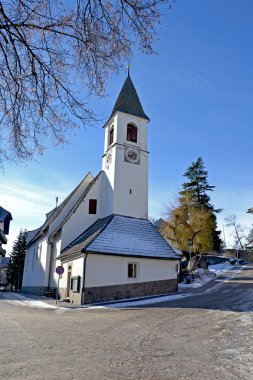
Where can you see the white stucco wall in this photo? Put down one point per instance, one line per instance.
(70, 204)
(80, 220)
(113, 270)
(76, 270)
(36, 262)
(128, 181)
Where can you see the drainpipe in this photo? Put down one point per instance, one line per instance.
(50, 262)
(84, 274)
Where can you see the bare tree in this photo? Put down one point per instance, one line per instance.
(238, 230)
(46, 48)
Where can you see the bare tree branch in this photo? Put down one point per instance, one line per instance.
(47, 50)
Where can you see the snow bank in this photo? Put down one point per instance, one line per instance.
(220, 268)
(19, 299)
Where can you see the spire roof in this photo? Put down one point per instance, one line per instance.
(128, 101)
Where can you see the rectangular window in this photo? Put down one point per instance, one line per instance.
(111, 136)
(132, 133)
(75, 284)
(132, 270)
(92, 206)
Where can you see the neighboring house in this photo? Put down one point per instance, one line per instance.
(5, 218)
(101, 233)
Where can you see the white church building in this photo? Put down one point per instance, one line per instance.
(100, 233)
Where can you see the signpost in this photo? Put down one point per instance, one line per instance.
(59, 270)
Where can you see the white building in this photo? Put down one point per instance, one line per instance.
(5, 218)
(101, 233)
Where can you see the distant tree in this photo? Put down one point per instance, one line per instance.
(250, 235)
(193, 219)
(238, 230)
(46, 46)
(16, 266)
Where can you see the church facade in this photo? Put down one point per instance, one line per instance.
(100, 233)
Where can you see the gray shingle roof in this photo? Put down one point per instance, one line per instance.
(83, 240)
(128, 101)
(122, 236)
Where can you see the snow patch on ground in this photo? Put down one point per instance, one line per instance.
(202, 276)
(19, 299)
(221, 268)
(142, 302)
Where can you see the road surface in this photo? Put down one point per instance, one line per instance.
(205, 336)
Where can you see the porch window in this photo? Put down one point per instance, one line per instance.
(132, 270)
(75, 284)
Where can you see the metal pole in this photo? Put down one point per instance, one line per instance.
(57, 290)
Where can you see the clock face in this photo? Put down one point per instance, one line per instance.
(132, 155)
(109, 158)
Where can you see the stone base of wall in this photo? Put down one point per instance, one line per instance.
(35, 290)
(124, 291)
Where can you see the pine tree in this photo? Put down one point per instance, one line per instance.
(198, 185)
(194, 217)
(16, 267)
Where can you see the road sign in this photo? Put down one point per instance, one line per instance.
(59, 270)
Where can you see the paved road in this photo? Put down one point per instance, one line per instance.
(207, 336)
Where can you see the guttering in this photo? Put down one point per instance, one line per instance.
(84, 274)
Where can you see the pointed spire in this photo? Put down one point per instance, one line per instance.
(128, 100)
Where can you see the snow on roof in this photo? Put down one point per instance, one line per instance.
(123, 236)
(52, 215)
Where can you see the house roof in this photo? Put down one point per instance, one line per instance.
(128, 101)
(51, 216)
(5, 217)
(122, 236)
(4, 262)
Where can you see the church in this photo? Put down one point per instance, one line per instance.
(100, 233)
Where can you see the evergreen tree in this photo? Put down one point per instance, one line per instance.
(198, 185)
(194, 217)
(16, 267)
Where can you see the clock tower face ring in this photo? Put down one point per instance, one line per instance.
(132, 155)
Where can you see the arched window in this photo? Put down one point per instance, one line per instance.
(132, 133)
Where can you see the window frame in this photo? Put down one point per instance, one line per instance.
(135, 129)
(77, 281)
(132, 273)
(111, 136)
(93, 206)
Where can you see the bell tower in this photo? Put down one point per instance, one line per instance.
(125, 158)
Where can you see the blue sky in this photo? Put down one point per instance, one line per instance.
(198, 94)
